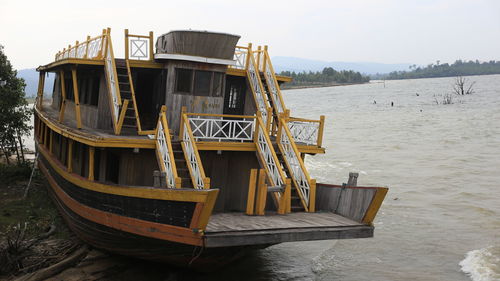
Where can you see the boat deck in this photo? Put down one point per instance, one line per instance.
(236, 229)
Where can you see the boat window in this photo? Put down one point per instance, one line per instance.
(68, 86)
(217, 84)
(202, 83)
(183, 80)
(88, 87)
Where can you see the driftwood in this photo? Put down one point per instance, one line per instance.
(54, 269)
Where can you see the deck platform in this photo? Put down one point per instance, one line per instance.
(237, 229)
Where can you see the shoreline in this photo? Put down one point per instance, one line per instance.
(309, 86)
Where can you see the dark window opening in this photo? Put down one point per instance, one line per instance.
(217, 84)
(202, 83)
(112, 167)
(149, 86)
(88, 87)
(183, 80)
(97, 162)
(68, 86)
(234, 98)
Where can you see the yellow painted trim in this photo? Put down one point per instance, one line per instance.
(377, 200)
(226, 146)
(121, 118)
(208, 209)
(163, 120)
(77, 99)
(63, 96)
(51, 66)
(311, 149)
(251, 192)
(91, 163)
(94, 140)
(132, 91)
(187, 195)
(145, 64)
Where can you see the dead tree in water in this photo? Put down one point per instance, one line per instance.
(460, 87)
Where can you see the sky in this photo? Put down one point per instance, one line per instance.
(384, 31)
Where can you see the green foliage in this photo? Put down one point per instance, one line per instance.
(12, 173)
(14, 111)
(325, 77)
(458, 68)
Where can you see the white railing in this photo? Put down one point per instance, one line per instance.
(111, 77)
(215, 127)
(240, 57)
(164, 148)
(258, 89)
(193, 159)
(305, 131)
(272, 83)
(139, 47)
(268, 156)
(296, 166)
(92, 48)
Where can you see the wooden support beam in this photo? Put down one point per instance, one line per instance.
(312, 196)
(63, 96)
(41, 85)
(77, 99)
(151, 51)
(51, 142)
(288, 195)
(261, 193)
(122, 116)
(126, 44)
(249, 53)
(319, 142)
(251, 192)
(91, 162)
(70, 155)
(264, 64)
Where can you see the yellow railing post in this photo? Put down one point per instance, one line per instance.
(77, 99)
(151, 50)
(288, 195)
(260, 205)
(87, 47)
(264, 64)
(258, 58)
(269, 119)
(321, 130)
(251, 192)
(91, 163)
(126, 44)
(249, 53)
(312, 196)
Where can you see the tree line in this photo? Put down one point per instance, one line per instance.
(325, 77)
(458, 68)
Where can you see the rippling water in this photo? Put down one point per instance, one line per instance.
(441, 217)
(441, 163)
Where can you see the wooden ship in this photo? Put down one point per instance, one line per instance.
(185, 155)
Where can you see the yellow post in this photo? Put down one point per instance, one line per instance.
(63, 96)
(181, 123)
(258, 58)
(77, 99)
(51, 141)
(206, 183)
(265, 55)
(126, 44)
(251, 192)
(249, 53)
(269, 118)
(321, 129)
(178, 182)
(41, 86)
(288, 195)
(151, 50)
(257, 126)
(312, 196)
(122, 116)
(261, 193)
(70, 155)
(87, 47)
(91, 162)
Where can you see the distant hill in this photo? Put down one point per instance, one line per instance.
(300, 64)
(30, 76)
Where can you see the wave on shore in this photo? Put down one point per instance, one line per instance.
(482, 264)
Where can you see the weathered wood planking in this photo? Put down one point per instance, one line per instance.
(224, 222)
(351, 202)
(237, 229)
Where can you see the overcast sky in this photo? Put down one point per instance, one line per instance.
(387, 31)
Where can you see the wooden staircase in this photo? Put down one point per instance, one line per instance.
(296, 204)
(180, 163)
(130, 121)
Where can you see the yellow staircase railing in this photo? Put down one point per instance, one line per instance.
(164, 152)
(191, 154)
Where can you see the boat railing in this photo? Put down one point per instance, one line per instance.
(267, 154)
(164, 151)
(193, 160)
(139, 47)
(306, 186)
(240, 57)
(306, 131)
(92, 48)
(219, 127)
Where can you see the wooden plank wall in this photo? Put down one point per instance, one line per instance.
(230, 172)
(197, 104)
(56, 95)
(104, 119)
(348, 202)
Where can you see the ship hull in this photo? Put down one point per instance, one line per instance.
(100, 226)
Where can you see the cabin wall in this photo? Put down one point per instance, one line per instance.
(197, 104)
(137, 168)
(56, 94)
(89, 115)
(230, 173)
(104, 118)
(249, 108)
